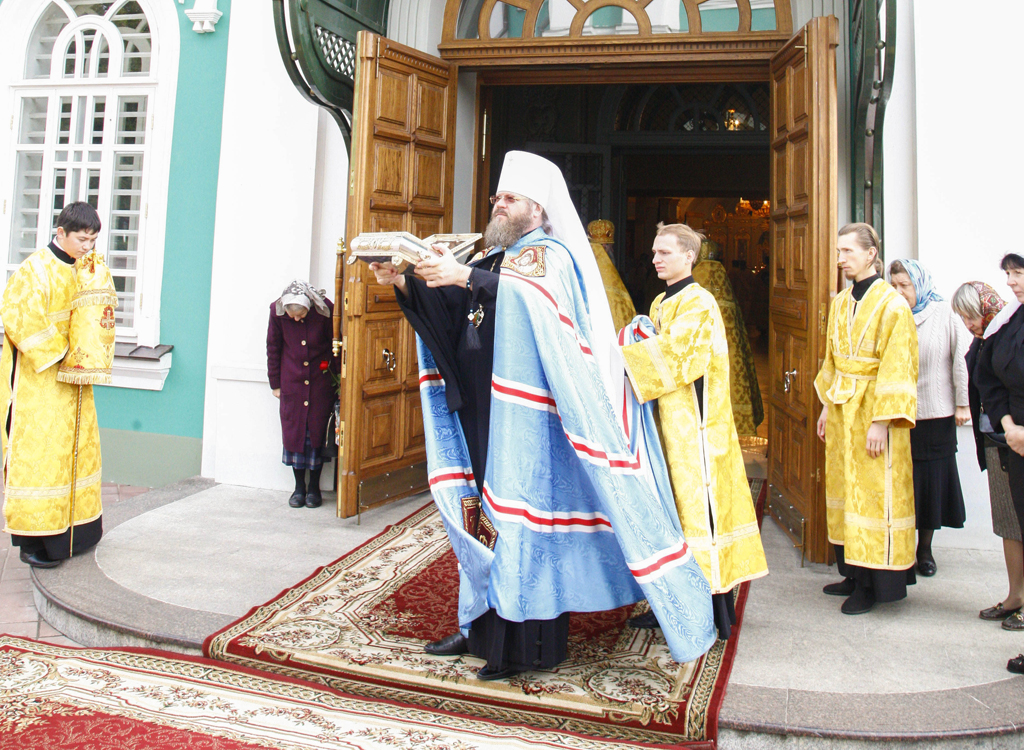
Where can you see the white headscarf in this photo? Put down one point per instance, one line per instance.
(541, 181)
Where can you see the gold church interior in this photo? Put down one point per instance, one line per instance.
(640, 154)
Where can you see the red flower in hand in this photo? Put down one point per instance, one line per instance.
(325, 366)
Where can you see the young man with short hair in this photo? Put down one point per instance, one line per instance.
(686, 367)
(39, 414)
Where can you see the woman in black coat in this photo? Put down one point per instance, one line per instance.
(1000, 376)
(979, 305)
(299, 366)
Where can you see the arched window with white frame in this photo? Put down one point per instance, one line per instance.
(82, 129)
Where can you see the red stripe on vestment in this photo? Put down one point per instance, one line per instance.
(540, 520)
(661, 562)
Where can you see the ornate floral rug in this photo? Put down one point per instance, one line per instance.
(359, 624)
(56, 698)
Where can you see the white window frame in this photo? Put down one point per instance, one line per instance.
(18, 18)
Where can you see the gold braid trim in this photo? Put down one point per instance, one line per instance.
(88, 297)
(84, 376)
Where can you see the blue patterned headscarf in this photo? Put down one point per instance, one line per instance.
(924, 287)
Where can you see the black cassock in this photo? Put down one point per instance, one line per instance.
(464, 354)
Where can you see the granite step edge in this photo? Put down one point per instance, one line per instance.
(971, 712)
(81, 602)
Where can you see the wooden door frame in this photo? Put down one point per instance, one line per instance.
(741, 67)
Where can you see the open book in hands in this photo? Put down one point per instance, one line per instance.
(403, 250)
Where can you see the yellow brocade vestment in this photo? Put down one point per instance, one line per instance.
(747, 407)
(870, 374)
(704, 458)
(618, 298)
(38, 440)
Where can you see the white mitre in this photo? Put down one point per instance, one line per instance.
(541, 181)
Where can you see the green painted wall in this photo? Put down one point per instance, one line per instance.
(146, 459)
(177, 410)
(154, 438)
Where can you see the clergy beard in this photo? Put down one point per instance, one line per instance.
(507, 233)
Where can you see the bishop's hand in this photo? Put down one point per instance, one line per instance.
(443, 269)
(388, 275)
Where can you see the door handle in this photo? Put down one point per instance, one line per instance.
(389, 360)
(787, 380)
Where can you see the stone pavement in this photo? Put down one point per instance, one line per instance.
(178, 563)
(18, 615)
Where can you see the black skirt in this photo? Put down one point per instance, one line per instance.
(534, 644)
(938, 499)
(888, 585)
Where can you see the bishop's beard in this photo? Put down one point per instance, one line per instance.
(506, 233)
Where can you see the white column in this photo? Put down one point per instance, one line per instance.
(262, 240)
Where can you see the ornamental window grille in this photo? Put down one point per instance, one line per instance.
(83, 115)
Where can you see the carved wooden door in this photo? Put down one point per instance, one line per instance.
(804, 190)
(403, 147)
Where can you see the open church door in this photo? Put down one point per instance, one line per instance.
(804, 190)
(403, 148)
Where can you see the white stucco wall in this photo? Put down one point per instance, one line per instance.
(948, 174)
(263, 239)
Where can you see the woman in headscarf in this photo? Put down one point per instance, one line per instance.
(1000, 376)
(979, 306)
(942, 404)
(299, 366)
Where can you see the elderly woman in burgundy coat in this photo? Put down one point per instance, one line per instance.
(299, 365)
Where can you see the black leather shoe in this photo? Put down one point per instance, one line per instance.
(844, 588)
(1016, 664)
(647, 621)
(450, 645)
(38, 559)
(313, 500)
(997, 612)
(861, 601)
(298, 499)
(927, 567)
(490, 673)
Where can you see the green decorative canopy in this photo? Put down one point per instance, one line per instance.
(317, 40)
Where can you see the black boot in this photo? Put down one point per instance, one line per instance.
(313, 498)
(925, 562)
(298, 498)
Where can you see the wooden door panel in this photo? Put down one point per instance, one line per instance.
(381, 299)
(380, 429)
(801, 266)
(432, 110)
(426, 225)
(400, 181)
(803, 198)
(414, 436)
(393, 100)
(389, 167)
(381, 348)
(428, 176)
(384, 221)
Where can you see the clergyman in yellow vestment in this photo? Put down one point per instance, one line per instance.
(38, 419)
(747, 407)
(868, 385)
(601, 234)
(686, 367)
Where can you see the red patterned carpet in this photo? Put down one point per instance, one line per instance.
(56, 698)
(358, 625)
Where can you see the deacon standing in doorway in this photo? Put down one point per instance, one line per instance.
(548, 507)
(51, 497)
(868, 385)
(686, 367)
